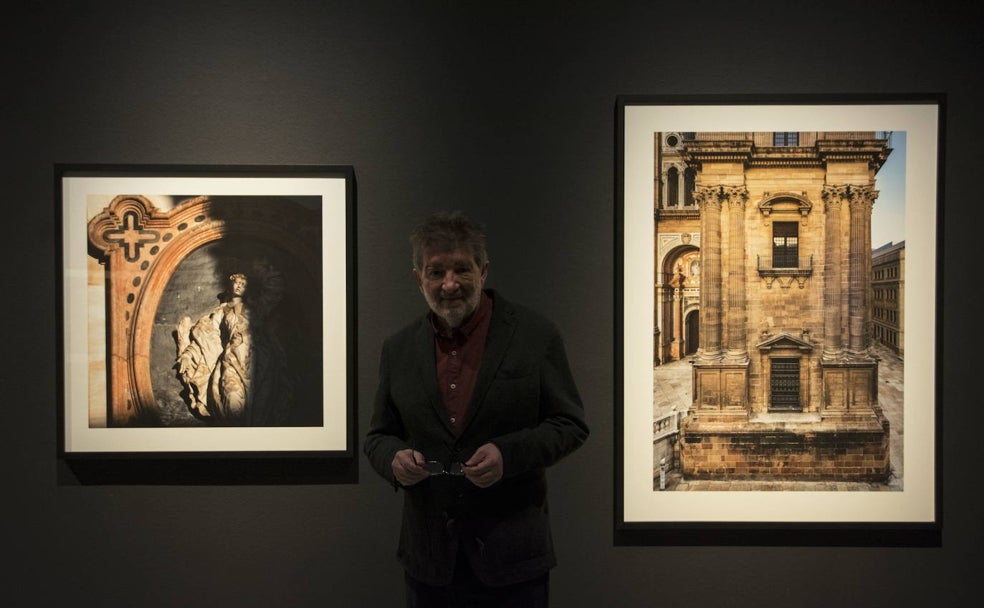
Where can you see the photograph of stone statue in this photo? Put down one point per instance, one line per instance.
(779, 320)
(233, 367)
(215, 310)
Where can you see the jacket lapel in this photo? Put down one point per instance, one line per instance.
(426, 370)
(501, 329)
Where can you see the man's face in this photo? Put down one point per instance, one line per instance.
(452, 284)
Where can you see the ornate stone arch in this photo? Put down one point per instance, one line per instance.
(678, 292)
(669, 247)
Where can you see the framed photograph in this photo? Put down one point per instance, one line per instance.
(777, 334)
(207, 320)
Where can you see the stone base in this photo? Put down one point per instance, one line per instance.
(784, 448)
(850, 389)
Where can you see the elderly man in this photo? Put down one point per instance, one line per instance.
(475, 400)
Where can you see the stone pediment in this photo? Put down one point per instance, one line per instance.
(784, 341)
(788, 202)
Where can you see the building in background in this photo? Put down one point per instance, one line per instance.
(888, 296)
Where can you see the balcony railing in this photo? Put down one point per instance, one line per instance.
(666, 425)
(785, 274)
(678, 213)
(859, 135)
(802, 266)
(805, 138)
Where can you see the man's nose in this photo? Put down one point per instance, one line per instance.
(450, 282)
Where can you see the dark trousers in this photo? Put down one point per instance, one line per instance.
(466, 591)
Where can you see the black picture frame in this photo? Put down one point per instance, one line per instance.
(645, 514)
(139, 247)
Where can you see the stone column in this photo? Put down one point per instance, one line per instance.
(664, 189)
(679, 187)
(674, 300)
(861, 199)
(737, 313)
(833, 324)
(659, 323)
(678, 321)
(709, 345)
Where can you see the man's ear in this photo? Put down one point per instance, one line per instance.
(485, 271)
(417, 278)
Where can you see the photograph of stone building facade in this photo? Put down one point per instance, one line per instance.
(764, 283)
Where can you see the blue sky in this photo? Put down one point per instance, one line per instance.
(888, 214)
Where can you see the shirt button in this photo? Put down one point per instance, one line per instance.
(454, 353)
(452, 419)
(453, 385)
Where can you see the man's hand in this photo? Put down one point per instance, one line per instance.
(408, 467)
(484, 468)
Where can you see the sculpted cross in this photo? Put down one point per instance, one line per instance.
(131, 236)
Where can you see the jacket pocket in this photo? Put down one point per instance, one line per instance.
(522, 537)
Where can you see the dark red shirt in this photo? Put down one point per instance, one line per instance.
(458, 359)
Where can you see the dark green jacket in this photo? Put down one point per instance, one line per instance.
(525, 402)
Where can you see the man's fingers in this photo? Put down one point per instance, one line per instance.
(407, 467)
(484, 468)
(477, 458)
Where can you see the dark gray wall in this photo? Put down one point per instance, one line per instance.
(503, 109)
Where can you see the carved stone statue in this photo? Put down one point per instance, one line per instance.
(677, 278)
(230, 362)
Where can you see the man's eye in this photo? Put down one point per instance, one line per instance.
(434, 274)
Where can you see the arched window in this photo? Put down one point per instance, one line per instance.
(673, 187)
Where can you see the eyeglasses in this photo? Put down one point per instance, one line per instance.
(434, 467)
(437, 468)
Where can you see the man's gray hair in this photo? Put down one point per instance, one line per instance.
(448, 231)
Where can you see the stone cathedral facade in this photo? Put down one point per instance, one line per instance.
(764, 279)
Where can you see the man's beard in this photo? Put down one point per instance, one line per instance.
(455, 311)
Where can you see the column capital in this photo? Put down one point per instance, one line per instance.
(735, 195)
(708, 196)
(862, 196)
(833, 195)
(718, 195)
